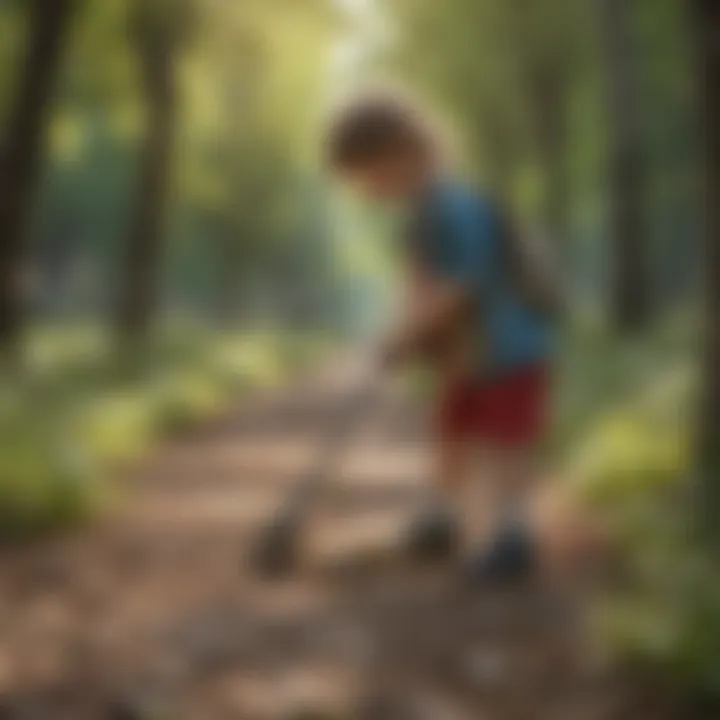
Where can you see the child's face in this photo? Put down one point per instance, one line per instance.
(388, 179)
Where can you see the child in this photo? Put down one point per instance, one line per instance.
(490, 348)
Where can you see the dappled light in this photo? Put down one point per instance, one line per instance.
(359, 359)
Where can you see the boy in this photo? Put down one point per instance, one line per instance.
(490, 347)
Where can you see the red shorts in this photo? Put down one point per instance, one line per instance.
(509, 409)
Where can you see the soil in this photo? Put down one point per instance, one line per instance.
(154, 612)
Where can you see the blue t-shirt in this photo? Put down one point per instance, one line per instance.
(457, 233)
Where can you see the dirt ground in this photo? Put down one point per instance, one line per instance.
(154, 614)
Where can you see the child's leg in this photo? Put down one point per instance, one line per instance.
(512, 476)
(455, 451)
(487, 493)
(454, 442)
(510, 552)
(511, 421)
(435, 531)
(452, 469)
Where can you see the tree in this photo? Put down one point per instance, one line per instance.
(473, 78)
(22, 152)
(158, 30)
(629, 295)
(250, 144)
(706, 21)
(543, 52)
(547, 92)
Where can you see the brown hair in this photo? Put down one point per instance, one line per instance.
(373, 127)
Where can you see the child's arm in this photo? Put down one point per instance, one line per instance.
(434, 309)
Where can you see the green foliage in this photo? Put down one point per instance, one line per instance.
(72, 420)
(641, 442)
(13, 27)
(251, 83)
(625, 418)
(672, 627)
(47, 479)
(665, 615)
(252, 238)
(631, 460)
(628, 456)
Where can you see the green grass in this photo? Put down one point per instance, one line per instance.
(625, 432)
(76, 415)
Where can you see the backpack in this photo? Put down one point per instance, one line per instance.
(532, 267)
(527, 259)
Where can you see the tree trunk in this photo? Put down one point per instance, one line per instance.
(629, 294)
(543, 77)
(140, 280)
(21, 156)
(706, 21)
(550, 117)
(497, 157)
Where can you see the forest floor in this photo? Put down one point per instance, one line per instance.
(153, 613)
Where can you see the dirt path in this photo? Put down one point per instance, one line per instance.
(154, 614)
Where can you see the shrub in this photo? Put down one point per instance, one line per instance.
(74, 415)
(632, 463)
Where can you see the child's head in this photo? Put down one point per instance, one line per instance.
(381, 144)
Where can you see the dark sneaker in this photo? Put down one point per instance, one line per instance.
(510, 558)
(433, 536)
